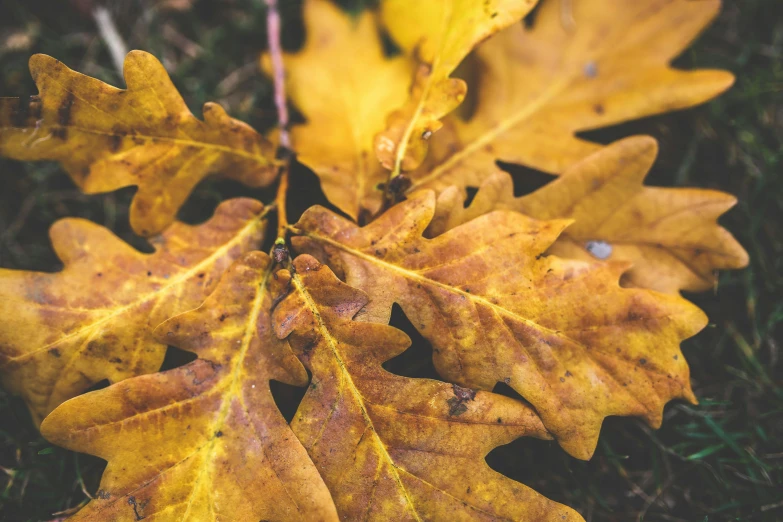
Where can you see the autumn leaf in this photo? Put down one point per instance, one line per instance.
(107, 138)
(562, 333)
(669, 235)
(63, 332)
(439, 33)
(344, 101)
(204, 441)
(541, 85)
(392, 447)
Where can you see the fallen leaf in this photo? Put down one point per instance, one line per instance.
(392, 447)
(107, 138)
(345, 101)
(562, 333)
(541, 85)
(669, 235)
(204, 441)
(63, 332)
(439, 33)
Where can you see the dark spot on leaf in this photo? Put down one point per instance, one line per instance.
(115, 141)
(55, 352)
(461, 396)
(132, 502)
(64, 111)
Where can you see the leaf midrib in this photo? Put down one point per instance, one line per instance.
(332, 343)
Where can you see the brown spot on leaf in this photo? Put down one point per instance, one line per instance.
(64, 111)
(461, 396)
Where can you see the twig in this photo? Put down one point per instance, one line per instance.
(276, 54)
(284, 150)
(280, 200)
(111, 37)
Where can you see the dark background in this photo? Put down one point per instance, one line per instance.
(721, 460)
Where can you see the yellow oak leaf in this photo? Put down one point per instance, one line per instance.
(108, 138)
(391, 447)
(440, 33)
(345, 87)
(562, 333)
(204, 441)
(63, 332)
(541, 85)
(669, 235)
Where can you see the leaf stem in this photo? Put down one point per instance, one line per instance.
(280, 202)
(276, 54)
(284, 151)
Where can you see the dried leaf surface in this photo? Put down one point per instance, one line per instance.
(345, 87)
(539, 86)
(204, 441)
(440, 33)
(63, 332)
(392, 447)
(109, 138)
(562, 333)
(669, 235)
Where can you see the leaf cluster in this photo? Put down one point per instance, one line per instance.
(568, 295)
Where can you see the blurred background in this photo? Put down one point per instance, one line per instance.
(721, 460)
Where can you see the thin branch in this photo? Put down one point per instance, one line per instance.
(280, 201)
(284, 151)
(111, 37)
(276, 54)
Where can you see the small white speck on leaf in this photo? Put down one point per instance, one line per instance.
(600, 249)
(591, 69)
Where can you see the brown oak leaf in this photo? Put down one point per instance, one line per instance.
(345, 101)
(541, 85)
(108, 138)
(562, 333)
(439, 33)
(63, 332)
(392, 447)
(669, 235)
(204, 441)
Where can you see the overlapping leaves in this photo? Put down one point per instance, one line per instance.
(206, 441)
(669, 235)
(562, 333)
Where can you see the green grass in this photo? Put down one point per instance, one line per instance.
(721, 460)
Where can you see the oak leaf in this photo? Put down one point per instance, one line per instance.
(392, 447)
(343, 100)
(204, 441)
(440, 33)
(541, 85)
(562, 333)
(669, 235)
(107, 138)
(63, 332)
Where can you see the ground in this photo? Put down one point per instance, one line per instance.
(721, 460)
